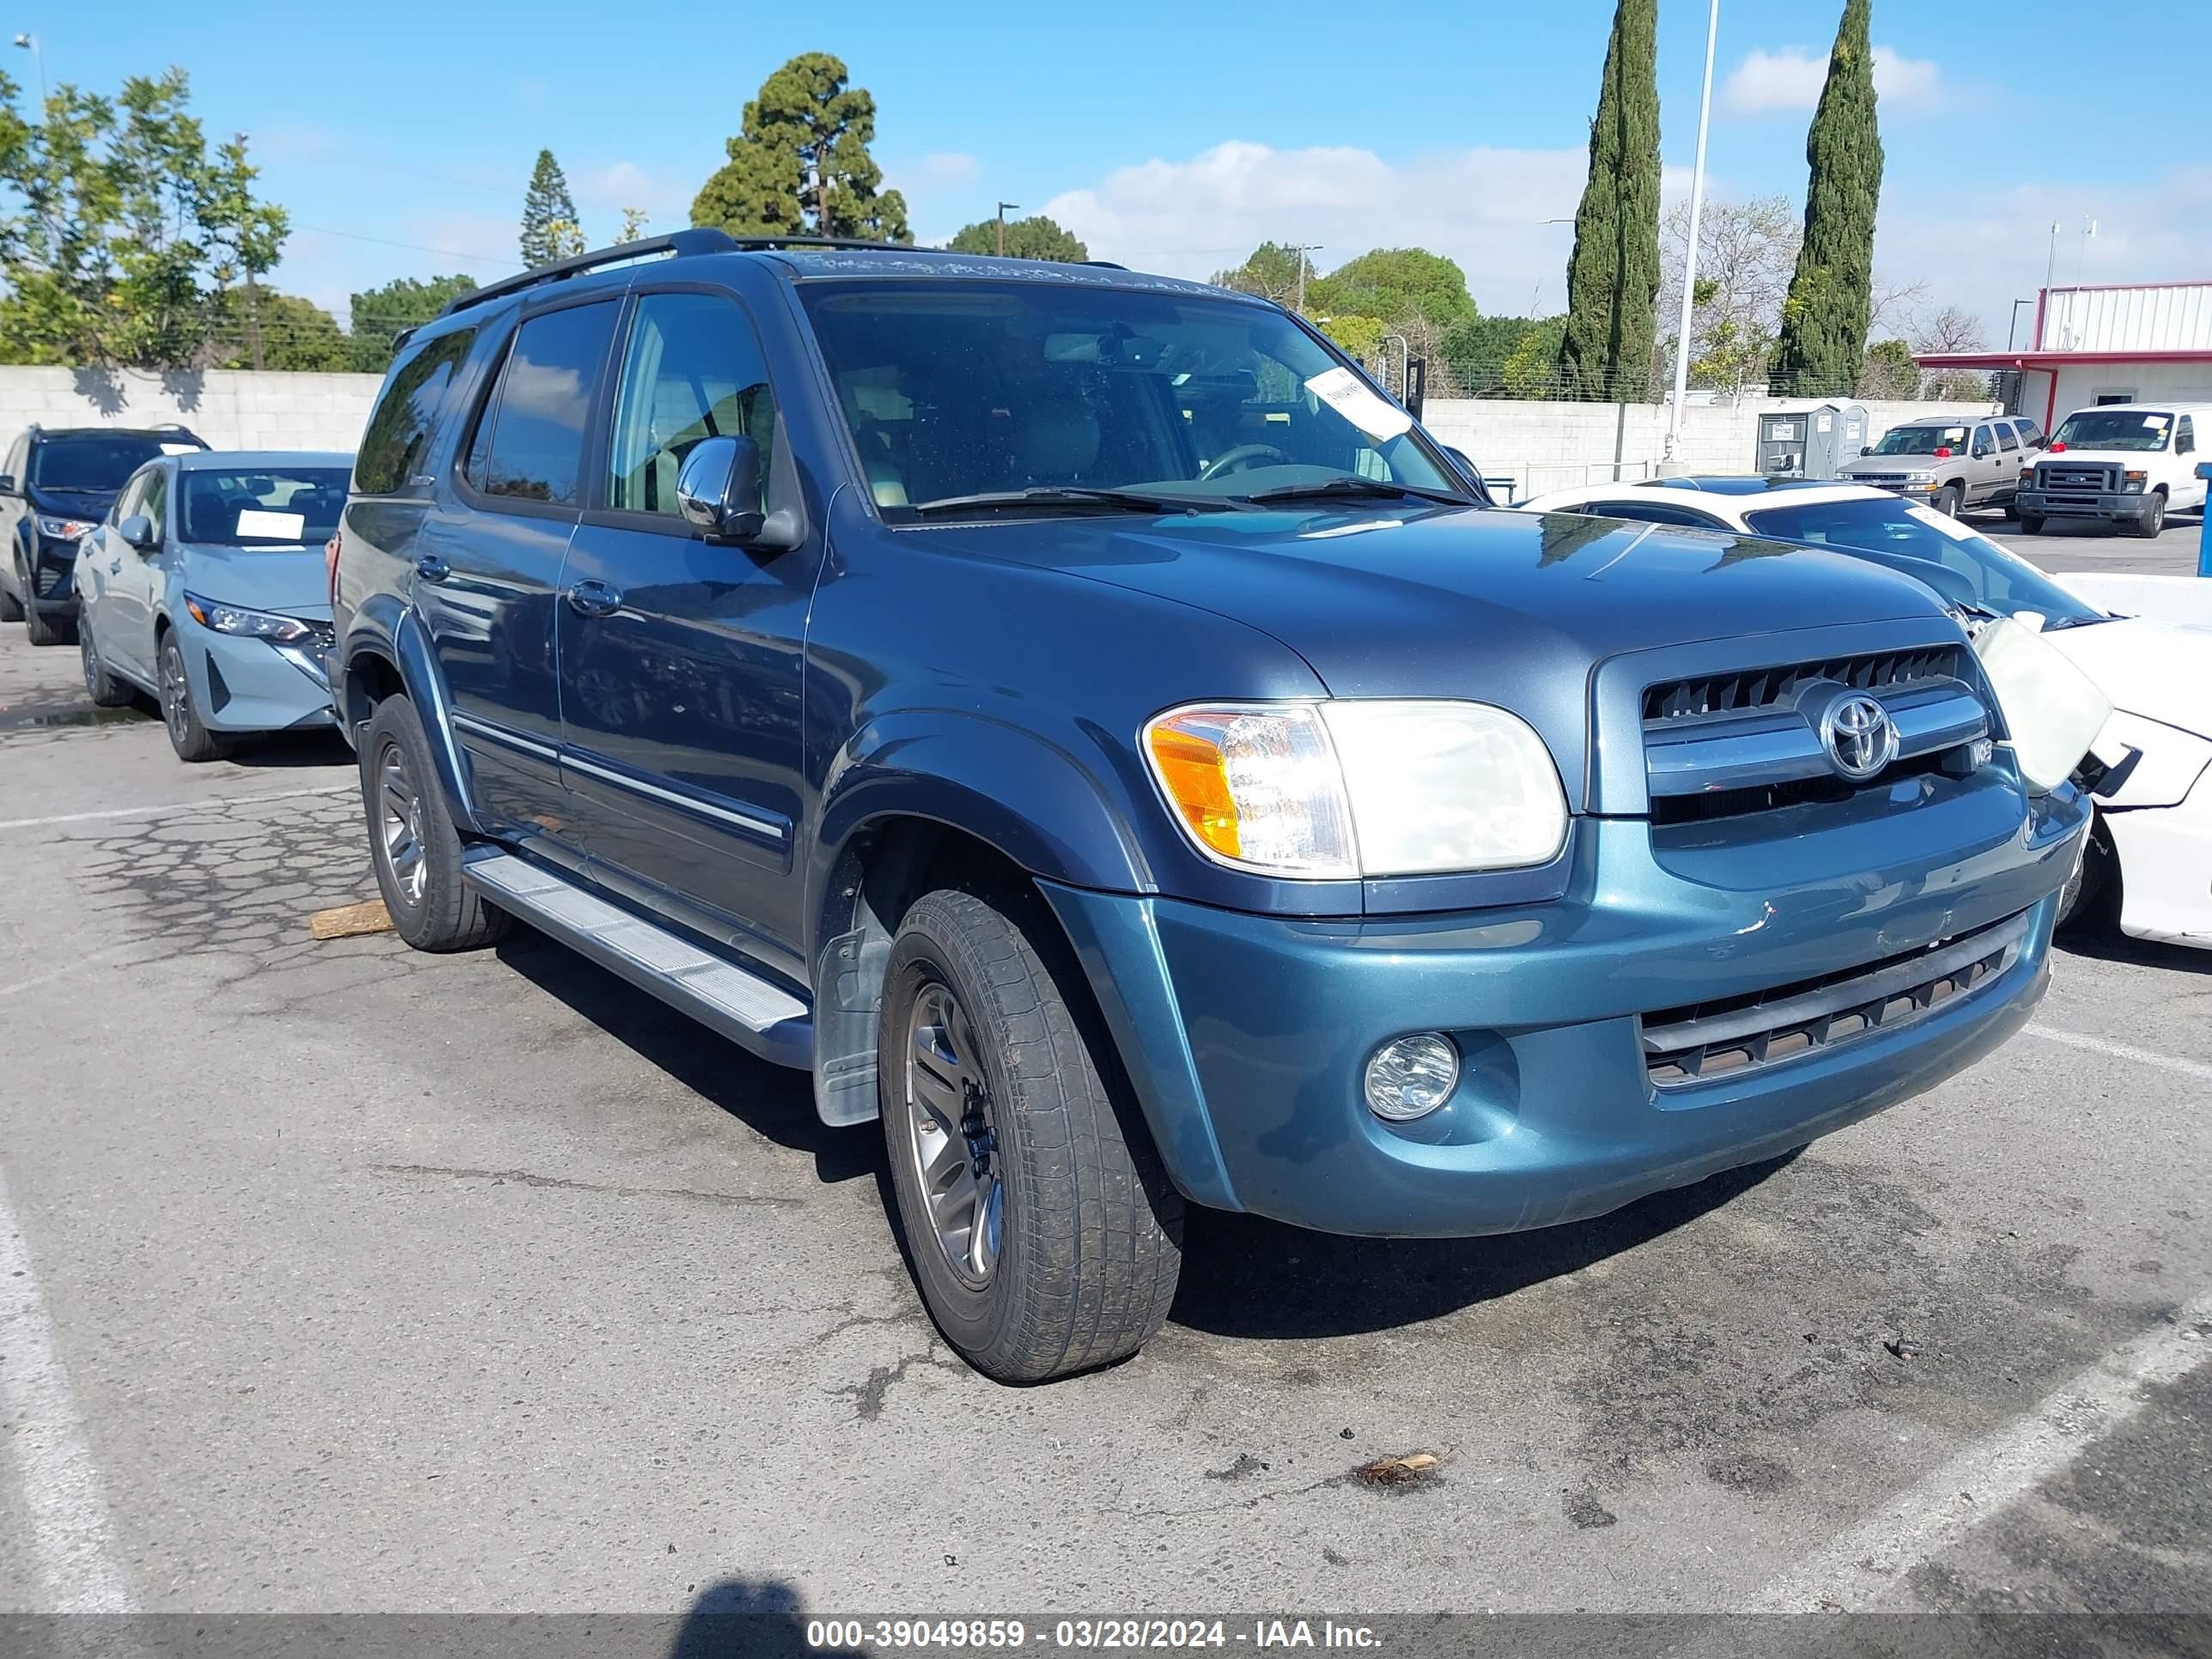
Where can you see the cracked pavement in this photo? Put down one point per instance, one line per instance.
(386, 1281)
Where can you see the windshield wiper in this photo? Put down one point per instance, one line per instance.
(1350, 485)
(1074, 495)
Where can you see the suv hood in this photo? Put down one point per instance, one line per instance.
(294, 581)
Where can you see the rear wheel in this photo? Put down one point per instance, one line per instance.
(414, 847)
(192, 740)
(2154, 519)
(1042, 1233)
(1945, 500)
(102, 687)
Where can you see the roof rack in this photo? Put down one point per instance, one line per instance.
(1106, 264)
(748, 242)
(697, 240)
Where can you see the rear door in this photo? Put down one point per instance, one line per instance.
(681, 662)
(2010, 456)
(489, 559)
(133, 576)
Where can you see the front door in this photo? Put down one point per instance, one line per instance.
(681, 661)
(487, 565)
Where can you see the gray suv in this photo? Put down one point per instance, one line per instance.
(1951, 463)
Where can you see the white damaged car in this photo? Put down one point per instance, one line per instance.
(2149, 858)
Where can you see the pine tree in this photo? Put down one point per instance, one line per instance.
(1825, 319)
(549, 229)
(800, 164)
(1613, 275)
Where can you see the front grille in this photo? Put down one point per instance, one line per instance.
(1881, 480)
(2077, 477)
(49, 578)
(1707, 1041)
(1708, 804)
(1753, 691)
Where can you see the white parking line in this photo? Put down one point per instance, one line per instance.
(175, 806)
(1938, 1511)
(2195, 1068)
(71, 1538)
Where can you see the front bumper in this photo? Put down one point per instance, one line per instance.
(251, 685)
(1247, 1036)
(2130, 506)
(2166, 867)
(53, 578)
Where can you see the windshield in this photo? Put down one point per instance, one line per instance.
(1920, 440)
(2114, 429)
(269, 506)
(95, 462)
(1910, 539)
(954, 390)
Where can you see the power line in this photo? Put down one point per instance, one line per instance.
(416, 247)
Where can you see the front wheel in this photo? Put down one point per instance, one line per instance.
(192, 740)
(413, 846)
(2153, 520)
(2031, 524)
(1946, 500)
(1043, 1234)
(38, 628)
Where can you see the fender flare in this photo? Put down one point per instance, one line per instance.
(385, 629)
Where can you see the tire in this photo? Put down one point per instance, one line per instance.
(2012, 512)
(11, 608)
(2152, 522)
(193, 741)
(413, 846)
(1945, 500)
(2031, 524)
(102, 687)
(2087, 902)
(1081, 1265)
(39, 628)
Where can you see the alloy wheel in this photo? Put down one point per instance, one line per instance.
(400, 823)
(88, 658)
(950, 1136)
(176, 695)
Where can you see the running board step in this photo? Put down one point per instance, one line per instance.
(752, 1012)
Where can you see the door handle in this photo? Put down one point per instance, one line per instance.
(115, 568)
(432, 568)
(593, 598)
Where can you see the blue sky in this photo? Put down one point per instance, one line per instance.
(401, 135)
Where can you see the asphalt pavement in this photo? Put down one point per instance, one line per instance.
(336, 1278)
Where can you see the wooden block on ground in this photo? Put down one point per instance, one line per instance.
(348, 920)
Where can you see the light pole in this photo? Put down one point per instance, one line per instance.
(1690, 254)
(1003, 206)
(1302, 249)
(2012, 325)
(30, 43)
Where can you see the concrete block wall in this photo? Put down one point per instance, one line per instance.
(1558, 446)
(232, 408)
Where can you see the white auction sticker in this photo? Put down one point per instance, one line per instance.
(1345, 392)
(264, 525)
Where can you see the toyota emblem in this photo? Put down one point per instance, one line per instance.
(1859, 736)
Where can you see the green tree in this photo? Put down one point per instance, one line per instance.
(1613, 275)
(550, 224)
(291, 333)
(1400, 285)
(800, 165)
(1271, 271)
(1533, 370)
(1360, 337)
(1034, 238)
(1888, 371)
(245, 238)
(1826, 317)
(116, 226)
(380, 314)
(633, 225)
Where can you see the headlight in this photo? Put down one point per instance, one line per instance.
(66, 529)
(1920, 477)
(248, 624)
(2132, 482)
(1360, 787)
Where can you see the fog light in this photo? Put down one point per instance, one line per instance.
(1411, 1077)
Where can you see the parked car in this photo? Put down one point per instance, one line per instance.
(58, 483)
(1951, 464)
(1080, 718)
(2151, 779)
(2126, 464)
(207, 589)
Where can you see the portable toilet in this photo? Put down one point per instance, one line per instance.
(1810, 443)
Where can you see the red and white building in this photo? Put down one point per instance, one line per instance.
(2127, 343)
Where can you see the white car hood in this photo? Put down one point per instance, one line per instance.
(2157, 670)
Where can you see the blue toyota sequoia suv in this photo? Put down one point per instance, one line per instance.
(1081, 719)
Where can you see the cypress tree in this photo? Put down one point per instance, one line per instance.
(550, 230)
(1613, 276)
(1825, 318)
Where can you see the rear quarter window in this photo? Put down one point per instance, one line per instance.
(395, 447)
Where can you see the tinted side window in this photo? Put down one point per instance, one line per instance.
(2185, 437)
(692, 370)
(1985, 445)
(400, 431)
(2030, 433)
(155, 503)
(2006, 442)
(529, 444)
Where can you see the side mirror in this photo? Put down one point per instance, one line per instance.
(1464, 462)
(1866, 449)
(138, 530)
(8, 484)
(719, 489)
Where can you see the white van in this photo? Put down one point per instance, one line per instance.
(2128, 462)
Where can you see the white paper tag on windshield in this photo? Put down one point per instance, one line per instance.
(1345, 392)
(271, 526)
(2155, 421)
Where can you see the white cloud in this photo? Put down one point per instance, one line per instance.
(1485, 207)
(603, 193)
(949, 167)
(1791, 77)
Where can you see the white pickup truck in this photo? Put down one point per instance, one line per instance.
(2129, 464)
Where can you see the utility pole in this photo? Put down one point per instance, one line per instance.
(1690, 253)
(1003, 206)
(1302, 249)
(30, 43)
